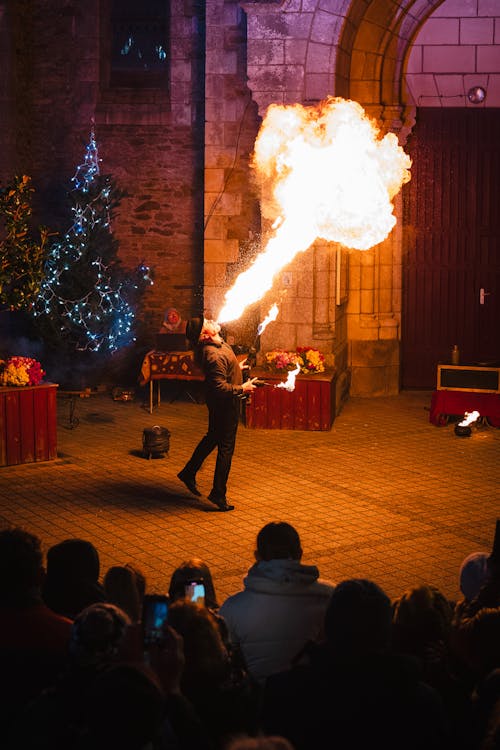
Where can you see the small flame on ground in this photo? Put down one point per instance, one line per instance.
(271, 315)
(289, 383)
(469, 418)
(330, 176)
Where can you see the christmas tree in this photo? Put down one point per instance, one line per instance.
(22, 257)
(87, 299)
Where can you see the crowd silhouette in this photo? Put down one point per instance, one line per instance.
(290, 662)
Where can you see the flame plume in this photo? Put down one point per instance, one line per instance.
(271, 315)
(289, 383)
(469, 418)
(331, 177)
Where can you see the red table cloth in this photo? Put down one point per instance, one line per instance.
(455, 403)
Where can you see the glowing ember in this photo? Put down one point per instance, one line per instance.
(469, 418)
(331, 177)
(271, 315)
(289, 384)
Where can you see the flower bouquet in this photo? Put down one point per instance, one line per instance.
(309, 360)
(281, 360)
(20, 371)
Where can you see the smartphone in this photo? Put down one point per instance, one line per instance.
(194, 591)
(154, 616)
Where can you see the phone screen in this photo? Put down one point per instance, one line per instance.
(155, 613)
(195, 592)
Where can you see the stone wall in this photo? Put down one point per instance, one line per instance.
(55, 81)
(456, 49)
(182, 153)
(232, 217)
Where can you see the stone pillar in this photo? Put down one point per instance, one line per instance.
(230, 130)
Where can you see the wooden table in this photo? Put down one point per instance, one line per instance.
(176, 365)
(72, 395)
(311, 406)
(28, 424)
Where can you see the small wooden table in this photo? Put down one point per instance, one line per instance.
(28, 424)
(178, 365)
(72, 395)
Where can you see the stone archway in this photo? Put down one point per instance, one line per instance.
(372, 52)
(303, 54)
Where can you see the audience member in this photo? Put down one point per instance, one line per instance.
(33, 639)
(340, 662)
(478, 644)
(194, 569)
(474, 573)
(72, 580)
(125, 709)
(421, 627)
(353, 689)
(475, 623)
(226, 699)
(56, 718)
(125, 586)
(183, 728)
(282, 605)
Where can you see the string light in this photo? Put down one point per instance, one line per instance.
(84, 289)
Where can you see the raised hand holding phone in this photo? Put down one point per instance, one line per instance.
(154, 617)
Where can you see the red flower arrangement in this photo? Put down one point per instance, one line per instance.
(21, 371)
(309, 360)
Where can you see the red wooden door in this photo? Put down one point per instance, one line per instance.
(451, 243)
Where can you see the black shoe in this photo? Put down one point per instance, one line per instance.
(220, 502)
(190, 482)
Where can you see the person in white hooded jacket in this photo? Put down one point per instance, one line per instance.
(282, 605)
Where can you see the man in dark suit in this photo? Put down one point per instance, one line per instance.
(224, 386)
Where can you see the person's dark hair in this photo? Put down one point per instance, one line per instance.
(358, 617)
(73, 557)
(98, 632)
(191, 570)
(72, 579)
(206, 655)
(21, 564)
(421, 616)
(278, 541)
(140, 578)
(122, 588)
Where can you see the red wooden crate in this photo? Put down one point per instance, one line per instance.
(28, 424)
(311, 406)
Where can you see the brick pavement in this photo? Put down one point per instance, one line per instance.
(384, 494)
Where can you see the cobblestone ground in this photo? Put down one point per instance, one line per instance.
(384, 494)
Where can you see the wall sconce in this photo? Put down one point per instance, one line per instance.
(476, 95)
